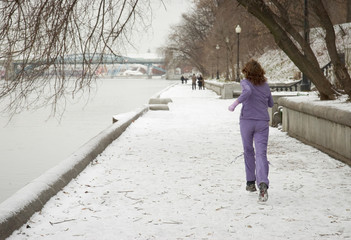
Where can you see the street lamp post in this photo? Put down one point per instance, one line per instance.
(227, 74)
(217, 47)
(238, 31)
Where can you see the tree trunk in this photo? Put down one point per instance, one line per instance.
(348, 7)
(307, 64)
(340, 70)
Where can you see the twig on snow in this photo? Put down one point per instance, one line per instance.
(68, 220)
(237, 157)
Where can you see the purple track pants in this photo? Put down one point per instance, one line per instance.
(256, 165)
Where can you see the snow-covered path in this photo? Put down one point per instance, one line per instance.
(179, 174)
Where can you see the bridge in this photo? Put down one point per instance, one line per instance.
(96, 58)
(100, 58)
(105, 59)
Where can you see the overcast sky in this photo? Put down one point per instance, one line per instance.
(164, 16)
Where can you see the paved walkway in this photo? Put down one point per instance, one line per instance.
(179, 174)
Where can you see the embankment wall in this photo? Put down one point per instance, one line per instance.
(226, 90)
(324, 127)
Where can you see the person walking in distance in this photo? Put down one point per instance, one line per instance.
(193, 84)
(203, 82)
(200, 81)
(255, 98)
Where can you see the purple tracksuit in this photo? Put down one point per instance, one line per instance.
(254, 127)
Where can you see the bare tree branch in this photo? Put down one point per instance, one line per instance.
(42, 43)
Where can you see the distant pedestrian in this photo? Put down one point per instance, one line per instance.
(193, 82)
(256, 97)
(203, 83)
(182, 79)
(200, 81)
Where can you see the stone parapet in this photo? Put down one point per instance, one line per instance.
(324, 127)
(274, 110)
(226, 90)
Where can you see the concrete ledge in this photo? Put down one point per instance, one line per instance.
(325, 112)
(276, 96)
(156, 103)
(328, 151)
(159, 100)
(158, 107)
(226, 90)
(17, 210)
(324, 127)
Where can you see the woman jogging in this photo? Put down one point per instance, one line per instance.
(256, 97)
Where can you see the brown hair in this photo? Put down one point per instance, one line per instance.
(254, 72)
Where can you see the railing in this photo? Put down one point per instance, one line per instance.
(285, 86)
(326, 69)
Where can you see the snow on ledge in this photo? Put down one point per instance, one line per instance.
(338, 111)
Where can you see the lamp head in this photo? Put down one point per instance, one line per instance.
(238, 29)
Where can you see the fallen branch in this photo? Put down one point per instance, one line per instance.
(68, 220)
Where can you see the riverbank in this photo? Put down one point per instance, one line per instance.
(179, 174)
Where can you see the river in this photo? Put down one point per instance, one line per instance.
(32, 142)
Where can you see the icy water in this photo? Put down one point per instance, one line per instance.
(33, 143)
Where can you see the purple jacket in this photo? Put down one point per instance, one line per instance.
(255, 101)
